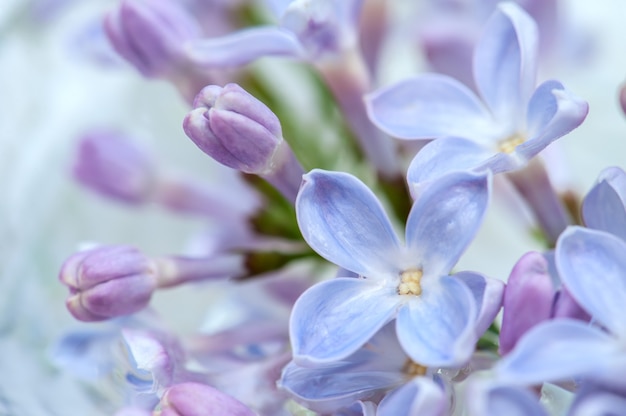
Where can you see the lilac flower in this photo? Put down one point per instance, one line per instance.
(376, 368)
(488, 397)
(110, 281)
(239, 131)
(150, 34)
(591, 265)
(503, 130)
(324, 33)
(436, 314)
(534, 294)
(604, 205)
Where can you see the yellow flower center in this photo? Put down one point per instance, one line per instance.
(413, 369)
(509, 144)
(410, 282)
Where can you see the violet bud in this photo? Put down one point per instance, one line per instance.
(150, 34)
(108, 281)
(114, 166)
(195, 399)
(528, 299)
(235, 129)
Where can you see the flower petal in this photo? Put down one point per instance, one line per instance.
(344, 222)
(436, 328)
(559, 350)
(333, 319)
(553, 112)
(488, 296)
(596, 400)
(505, 61)
(490, 398)
(420, 396)
(438, 230)
(423, 107)
(603, 208)
(592, 266)
(243, 47)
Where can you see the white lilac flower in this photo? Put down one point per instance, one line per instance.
(511, 121)
(436, 314)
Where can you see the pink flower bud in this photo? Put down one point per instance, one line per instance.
(195, 399)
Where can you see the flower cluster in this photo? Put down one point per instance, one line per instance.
(321, 305)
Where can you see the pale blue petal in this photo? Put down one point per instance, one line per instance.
(553, 112)
(559, 350)
(328, 388)
(603, 207)
(436, 328)
(344, 222)
(592, 265)
(278, 7)
(445, 218)
(429, 106)
(488, 295)
(485, 396)
(513, 401)
(446, 155)
(505, 61)
(333, 319)
(243, 47)
(420, 396)
(597, 400)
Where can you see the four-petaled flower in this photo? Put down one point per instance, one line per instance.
(438, 316)
(503, 130)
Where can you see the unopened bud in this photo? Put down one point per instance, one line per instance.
(234, 128)
(528, 299)
(112, 165)
(150, 34)
(195, 399)
(108, 281)
(239, 131)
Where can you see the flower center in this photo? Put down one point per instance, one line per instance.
(413, 369)
(410, 282)
(509, 144)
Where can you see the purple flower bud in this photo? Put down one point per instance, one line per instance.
(234, 128)
(528, 299)
(108, 281)
(150, 34)
(114, 166)
(195, 399)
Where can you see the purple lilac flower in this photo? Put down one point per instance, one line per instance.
(504, 128)
(436, 314)
(534, 294)
(110, 281)
(487, 397)
(591, 265)
(449, 31)
(598, 399)
(324, 33)
(241, 132)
